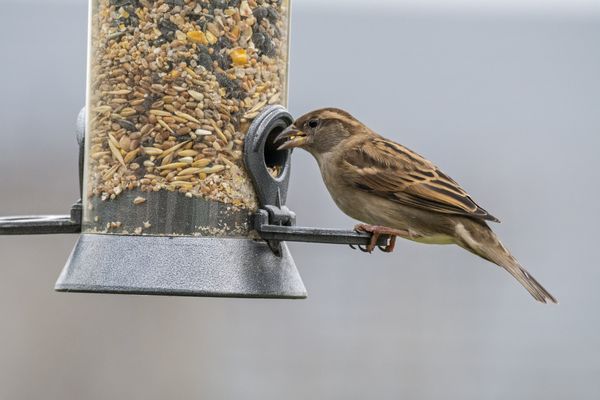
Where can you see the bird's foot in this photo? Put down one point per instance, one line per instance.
(376, 231)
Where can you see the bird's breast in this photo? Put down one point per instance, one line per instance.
(361, 205)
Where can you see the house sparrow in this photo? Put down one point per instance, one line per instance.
(396, 192)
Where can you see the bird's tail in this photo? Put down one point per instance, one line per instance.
(489, 247)
(529, 282)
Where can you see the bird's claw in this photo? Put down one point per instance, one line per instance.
(376, 232)
(389, 247)
(360, 247)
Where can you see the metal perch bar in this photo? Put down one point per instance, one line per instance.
(317, 235)
(48, 224)
(39, 224)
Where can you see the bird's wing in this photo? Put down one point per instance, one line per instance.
(389, 170)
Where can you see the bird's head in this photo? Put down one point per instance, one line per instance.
(319, 131)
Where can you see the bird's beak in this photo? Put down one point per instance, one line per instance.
(293, 138)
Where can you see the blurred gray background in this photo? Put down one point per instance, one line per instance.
(507, 101)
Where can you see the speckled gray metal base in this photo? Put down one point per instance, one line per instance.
(179, 266)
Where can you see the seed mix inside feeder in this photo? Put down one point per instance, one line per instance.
(183, 191)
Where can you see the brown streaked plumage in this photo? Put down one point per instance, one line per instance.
(412, 181)
(394, 190)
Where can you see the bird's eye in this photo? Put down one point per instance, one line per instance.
(313, 123)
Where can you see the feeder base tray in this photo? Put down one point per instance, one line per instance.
(180, 266)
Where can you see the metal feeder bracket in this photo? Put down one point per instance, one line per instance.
(274, 222)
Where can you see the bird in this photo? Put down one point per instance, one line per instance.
(396, 192)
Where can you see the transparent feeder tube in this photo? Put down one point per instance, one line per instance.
(173, 86)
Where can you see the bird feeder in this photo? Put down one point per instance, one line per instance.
(182, 189)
